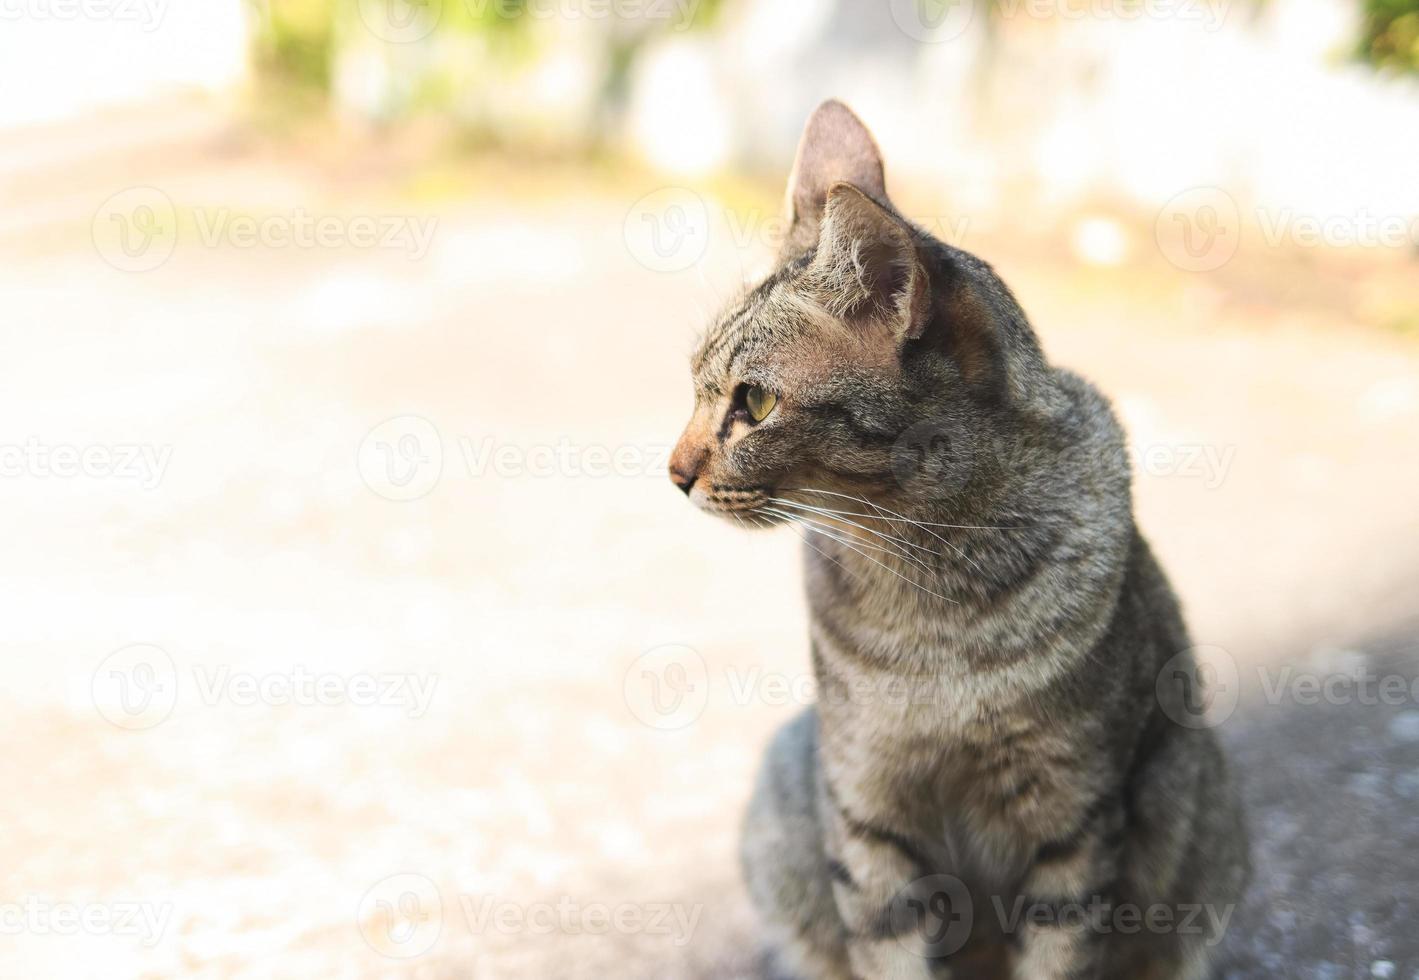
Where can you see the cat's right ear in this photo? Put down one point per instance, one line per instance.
(836, 148)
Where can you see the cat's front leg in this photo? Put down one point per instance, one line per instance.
(1062, 929)
(874, 872)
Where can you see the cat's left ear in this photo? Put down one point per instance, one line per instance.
(867, 264)
(836, 148)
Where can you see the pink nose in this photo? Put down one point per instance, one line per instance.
(685, 465)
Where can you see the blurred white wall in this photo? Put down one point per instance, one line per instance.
(1261, 100)
(64, 59)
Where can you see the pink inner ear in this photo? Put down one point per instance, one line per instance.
(836, 148)
(867, 259)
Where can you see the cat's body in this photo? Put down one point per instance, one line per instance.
(992, 783)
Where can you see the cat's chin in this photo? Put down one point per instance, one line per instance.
(748, 519)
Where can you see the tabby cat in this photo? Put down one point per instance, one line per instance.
(1001, 776)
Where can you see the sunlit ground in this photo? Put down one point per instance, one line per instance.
(541, 789)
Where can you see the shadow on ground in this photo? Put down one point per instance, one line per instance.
(1332, 786)
(1328, 752)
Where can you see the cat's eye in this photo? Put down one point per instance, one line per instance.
(759, 402)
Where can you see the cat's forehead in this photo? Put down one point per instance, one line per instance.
(764, 323)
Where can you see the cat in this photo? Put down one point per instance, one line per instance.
(992, 782)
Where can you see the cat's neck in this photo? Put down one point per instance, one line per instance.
(942, 580)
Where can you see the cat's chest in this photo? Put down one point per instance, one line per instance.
(950, 752)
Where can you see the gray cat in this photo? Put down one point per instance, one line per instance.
(1003, 775)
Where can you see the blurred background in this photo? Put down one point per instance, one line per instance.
(351, 626)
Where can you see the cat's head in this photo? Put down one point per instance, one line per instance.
(874, 362)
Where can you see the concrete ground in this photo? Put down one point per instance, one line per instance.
(373, 641)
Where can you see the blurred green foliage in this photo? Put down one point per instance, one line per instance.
(297, 42)
(293, 41)
(1390, 34)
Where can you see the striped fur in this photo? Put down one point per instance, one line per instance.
(988, 625)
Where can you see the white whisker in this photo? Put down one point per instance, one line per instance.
(908, 520)
(887, 568)
(829, 531)
(824, 511)
(877, 507)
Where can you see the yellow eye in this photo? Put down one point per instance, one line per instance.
(759, 402)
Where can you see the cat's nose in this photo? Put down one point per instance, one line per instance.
(685, 466)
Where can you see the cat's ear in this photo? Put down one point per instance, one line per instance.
(867, 264)
(836, 148)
